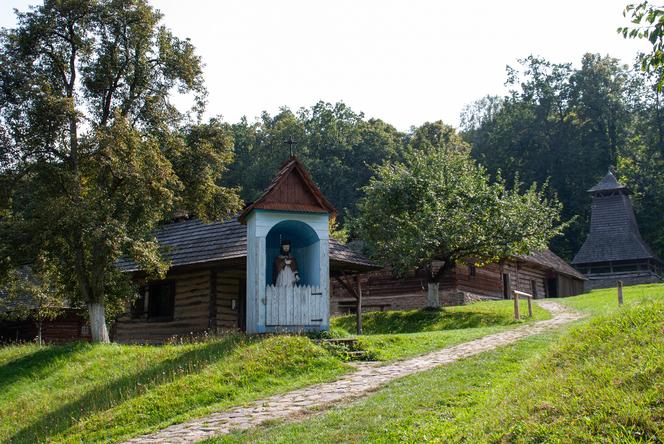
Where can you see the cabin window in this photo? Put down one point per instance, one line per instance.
(533, 288)
(161, 301)
(472, 270)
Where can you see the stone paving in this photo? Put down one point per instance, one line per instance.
(368, 378)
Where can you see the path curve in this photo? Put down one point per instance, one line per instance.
(367, 379)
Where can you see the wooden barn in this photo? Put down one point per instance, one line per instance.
(214, 285)
(614, 249)
(21, 324)
(541, 274)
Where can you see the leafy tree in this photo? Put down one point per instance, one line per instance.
(95, 155)
(32, 293)
(558, 124)
(337, 145)
(439, 204)
(649, 21)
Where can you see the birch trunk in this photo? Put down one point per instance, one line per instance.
(98, 329)
(433, 301)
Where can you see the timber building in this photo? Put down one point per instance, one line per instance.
(614, 249)
(542, 274)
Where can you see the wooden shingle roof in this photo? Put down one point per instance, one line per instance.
(608, 183)
(192, 242)
(549, 260)
(614, 233)
(291, 190)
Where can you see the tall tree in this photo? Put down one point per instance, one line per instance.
(337, 145)
(649, 24)
(560, 124)
(96, 154)
(439, 204)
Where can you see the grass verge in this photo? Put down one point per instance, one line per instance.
(101, 393)
(395, 335)
(107, 393)
(600, 382)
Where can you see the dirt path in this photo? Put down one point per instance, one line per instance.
(367, 379)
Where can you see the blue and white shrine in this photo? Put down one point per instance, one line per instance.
(288, 265)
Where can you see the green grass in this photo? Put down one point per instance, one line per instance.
(481, 314)
(605, 301)
(394, 335)
(92, 393)
(603, 381)
(107, 393)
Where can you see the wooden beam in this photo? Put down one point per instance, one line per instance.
(359, 304)
(212, 305)
(349, 288)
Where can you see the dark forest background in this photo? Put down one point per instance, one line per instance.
(559, 123)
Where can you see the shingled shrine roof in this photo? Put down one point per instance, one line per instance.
(193, 242)
(614, 232)
(291, 190)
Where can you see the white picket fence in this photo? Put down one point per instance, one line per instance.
(293, 306)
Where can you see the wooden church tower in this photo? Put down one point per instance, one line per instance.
(291, 210)
(614, 249)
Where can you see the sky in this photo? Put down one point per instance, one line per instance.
(406, 62)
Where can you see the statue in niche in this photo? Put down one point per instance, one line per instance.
(284, 271)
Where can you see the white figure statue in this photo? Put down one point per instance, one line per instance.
(284, 272)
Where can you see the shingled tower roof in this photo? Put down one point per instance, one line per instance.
(614, 232)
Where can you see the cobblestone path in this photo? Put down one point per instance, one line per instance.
(366, 379)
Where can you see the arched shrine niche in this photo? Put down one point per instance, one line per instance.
(304, 247)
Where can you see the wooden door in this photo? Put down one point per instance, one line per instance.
(506, 286)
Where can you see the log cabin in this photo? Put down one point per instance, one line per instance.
(542, 274)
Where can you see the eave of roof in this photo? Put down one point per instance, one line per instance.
(548, 259)
(193, 242)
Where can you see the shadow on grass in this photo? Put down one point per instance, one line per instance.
(36, 363)
(101, 398)
(389, 322)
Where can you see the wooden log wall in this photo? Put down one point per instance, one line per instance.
(526, 274)
(381, 291)
(487, 280)
(69, 326)
(190, 315)
(568, 286)
(228, 290)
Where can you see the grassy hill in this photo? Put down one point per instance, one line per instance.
(601, 381)
(91, 393)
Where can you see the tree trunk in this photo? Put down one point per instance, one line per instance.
(39, 332)
(433, 301)
(98, 329)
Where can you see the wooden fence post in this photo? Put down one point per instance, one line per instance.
(620, 294)
(530, 307)
(359, 305)
(516, 306)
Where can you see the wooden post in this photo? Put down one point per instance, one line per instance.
(516, 306)
(530, 307)
(212, 302)
(359, 304)
(620, 294)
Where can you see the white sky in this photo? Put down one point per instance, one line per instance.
(405, 62)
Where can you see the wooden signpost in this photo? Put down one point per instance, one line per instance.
(620, 292)
(518, 294)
